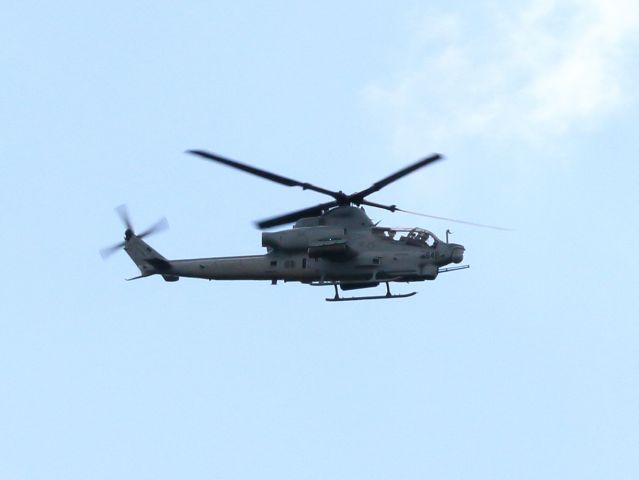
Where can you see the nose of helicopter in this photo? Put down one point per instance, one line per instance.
(457, 253)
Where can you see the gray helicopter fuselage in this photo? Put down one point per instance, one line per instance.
(332, 243)
(341, 246)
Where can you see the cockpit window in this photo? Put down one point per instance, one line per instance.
(385, 233)
(430, 241)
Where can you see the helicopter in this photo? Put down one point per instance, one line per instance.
(331, 244)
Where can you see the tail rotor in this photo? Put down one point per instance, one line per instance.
(123, 212)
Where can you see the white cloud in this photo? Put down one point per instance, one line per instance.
(529, 75)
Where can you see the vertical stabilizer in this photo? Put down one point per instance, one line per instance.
(148, 260)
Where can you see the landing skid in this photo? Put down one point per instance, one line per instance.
(388, 295)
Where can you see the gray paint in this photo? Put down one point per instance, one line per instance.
(341, 246)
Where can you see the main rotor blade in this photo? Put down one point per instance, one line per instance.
(359, 196)
(390, 208)
(108, 251)
(123, 213)
(158, 226)
(456, 221)
(289, 182)
(294, 216)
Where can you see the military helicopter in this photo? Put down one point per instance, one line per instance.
(331, 244)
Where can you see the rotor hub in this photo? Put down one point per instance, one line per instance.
(342, 199)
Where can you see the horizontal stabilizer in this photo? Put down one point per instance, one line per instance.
(136, 278)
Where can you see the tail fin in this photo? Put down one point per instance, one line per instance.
(147, 259)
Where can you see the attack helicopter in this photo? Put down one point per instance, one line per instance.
(331, 244)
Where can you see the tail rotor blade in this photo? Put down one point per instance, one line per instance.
(123, 213)
(159, 226)
(108, 251)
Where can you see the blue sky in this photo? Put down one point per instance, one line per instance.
(524, 366)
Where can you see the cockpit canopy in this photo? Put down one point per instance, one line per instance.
(413, 236)
(420, 237)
